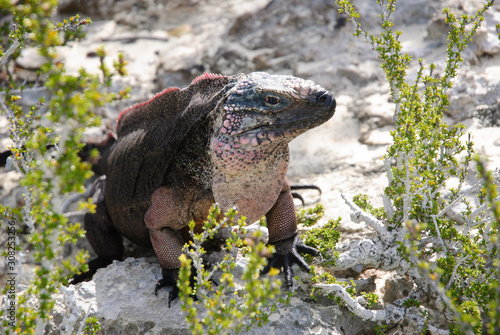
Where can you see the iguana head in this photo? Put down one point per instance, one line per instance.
(263, 111)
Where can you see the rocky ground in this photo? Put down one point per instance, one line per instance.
(168, 44)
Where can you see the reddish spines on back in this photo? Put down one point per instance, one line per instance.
(165, 91)
(201, 77)
(207, 75)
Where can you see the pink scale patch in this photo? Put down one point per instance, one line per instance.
(255, 142)
(244, 140)
(226, 123)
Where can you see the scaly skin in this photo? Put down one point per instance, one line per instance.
(221, 139)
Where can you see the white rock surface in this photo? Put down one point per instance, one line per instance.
(121, 297)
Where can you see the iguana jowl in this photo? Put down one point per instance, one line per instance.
(222, 139)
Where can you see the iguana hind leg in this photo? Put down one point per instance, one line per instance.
(101, 234)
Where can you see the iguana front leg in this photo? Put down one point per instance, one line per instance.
(169, 212)
(282, 225)
(164, 218)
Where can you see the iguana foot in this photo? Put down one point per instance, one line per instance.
(93, 265)
(169, 281)
(287, 254)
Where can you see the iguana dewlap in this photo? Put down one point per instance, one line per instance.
(222, 139)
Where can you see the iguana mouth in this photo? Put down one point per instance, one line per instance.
(287, 125)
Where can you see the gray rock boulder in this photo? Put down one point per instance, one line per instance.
(121, 297)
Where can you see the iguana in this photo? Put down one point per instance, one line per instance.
(222, 139)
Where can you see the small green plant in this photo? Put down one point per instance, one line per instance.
(92, 326)
(226, 306)
(325, 239)
(310, 216)
(380, 329)
(409, 302)
(371, 298)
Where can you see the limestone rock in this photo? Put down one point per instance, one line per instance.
(397, 287)
(475, 94)
(121, 297)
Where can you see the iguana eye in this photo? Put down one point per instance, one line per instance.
(272, 100)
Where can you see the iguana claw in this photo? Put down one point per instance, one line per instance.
(287, 254)
(169, 281)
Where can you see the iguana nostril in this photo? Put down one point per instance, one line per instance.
(324, 98)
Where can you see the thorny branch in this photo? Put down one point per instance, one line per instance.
(353, 305)
(195, 250)
(387, 241)
(390, 314)
(9, 52)
(358, 215)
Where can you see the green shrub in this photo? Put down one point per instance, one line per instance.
(325, 239)
(492, 196)
(424, 157)
(46, 140)
(310, 216)
(225, 307)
